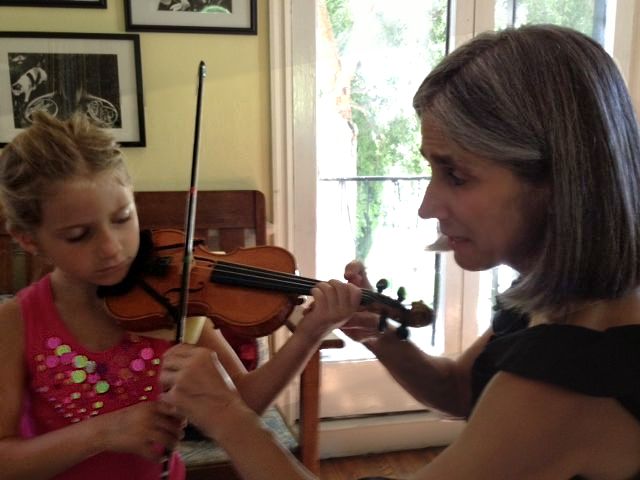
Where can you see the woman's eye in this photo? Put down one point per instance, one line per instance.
(454, 178)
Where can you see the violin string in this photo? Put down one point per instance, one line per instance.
(272, 279)
(269, 279)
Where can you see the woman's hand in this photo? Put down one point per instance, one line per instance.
(146, 428)
(197, 386)
(363, 327)
(356, 273)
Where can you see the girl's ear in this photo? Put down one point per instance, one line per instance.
(26, 241)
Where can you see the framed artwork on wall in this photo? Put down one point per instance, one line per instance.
(55, 3)
(61, 73)
(192, 16)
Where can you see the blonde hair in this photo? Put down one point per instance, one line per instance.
(51, 150)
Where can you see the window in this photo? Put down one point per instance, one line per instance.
(371, 176)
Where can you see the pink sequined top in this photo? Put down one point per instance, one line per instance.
(68, 383)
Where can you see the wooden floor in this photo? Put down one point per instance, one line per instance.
(394, 465)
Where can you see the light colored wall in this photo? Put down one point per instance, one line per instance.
(235, 138)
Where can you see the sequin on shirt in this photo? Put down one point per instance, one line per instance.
(78, 384)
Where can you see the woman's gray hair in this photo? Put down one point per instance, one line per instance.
(549, 104)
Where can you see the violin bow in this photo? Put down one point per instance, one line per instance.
(190, 220)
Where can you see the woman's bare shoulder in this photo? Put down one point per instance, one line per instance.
(527, 429)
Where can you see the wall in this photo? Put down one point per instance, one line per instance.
(235, 139)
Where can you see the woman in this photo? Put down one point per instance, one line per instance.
(535, 156)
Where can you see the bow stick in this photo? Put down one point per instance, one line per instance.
(190, 220)
(191, 212)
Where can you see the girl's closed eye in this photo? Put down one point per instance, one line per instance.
(124, 216)
(76, 235)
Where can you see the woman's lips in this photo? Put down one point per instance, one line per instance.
(456, 241)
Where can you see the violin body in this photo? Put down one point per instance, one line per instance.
(248, 311)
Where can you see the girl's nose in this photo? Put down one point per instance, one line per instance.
(109, 245)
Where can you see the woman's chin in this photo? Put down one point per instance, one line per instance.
(472, 264)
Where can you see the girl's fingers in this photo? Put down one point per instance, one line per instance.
(347, 295)
(336, 296)
(353, 295)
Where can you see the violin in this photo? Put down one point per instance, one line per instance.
(250, 290)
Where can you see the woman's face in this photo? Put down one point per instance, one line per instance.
(489, 215)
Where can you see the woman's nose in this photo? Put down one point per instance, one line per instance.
(431, 206)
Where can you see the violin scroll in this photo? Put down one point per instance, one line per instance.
(419, 315)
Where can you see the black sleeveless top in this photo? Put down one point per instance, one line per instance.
(596, 363)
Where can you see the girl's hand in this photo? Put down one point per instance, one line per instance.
(333, 303)
(196, 384)
(146, 429)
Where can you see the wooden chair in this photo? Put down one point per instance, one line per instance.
(226, 220)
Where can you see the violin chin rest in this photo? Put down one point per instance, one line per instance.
(193, 327)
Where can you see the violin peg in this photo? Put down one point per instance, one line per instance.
(402, 294)
(382, 284)
(403, 332)
(382, 323)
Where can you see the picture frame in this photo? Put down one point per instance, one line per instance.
(238, 17)
(55, 3)
(97, 73)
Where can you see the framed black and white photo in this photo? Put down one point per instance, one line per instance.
(61, 73)
(55, 3)
(192, 16)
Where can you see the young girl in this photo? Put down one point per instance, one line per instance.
(78, 392)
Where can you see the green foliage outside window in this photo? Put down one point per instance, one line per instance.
(390, 146)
